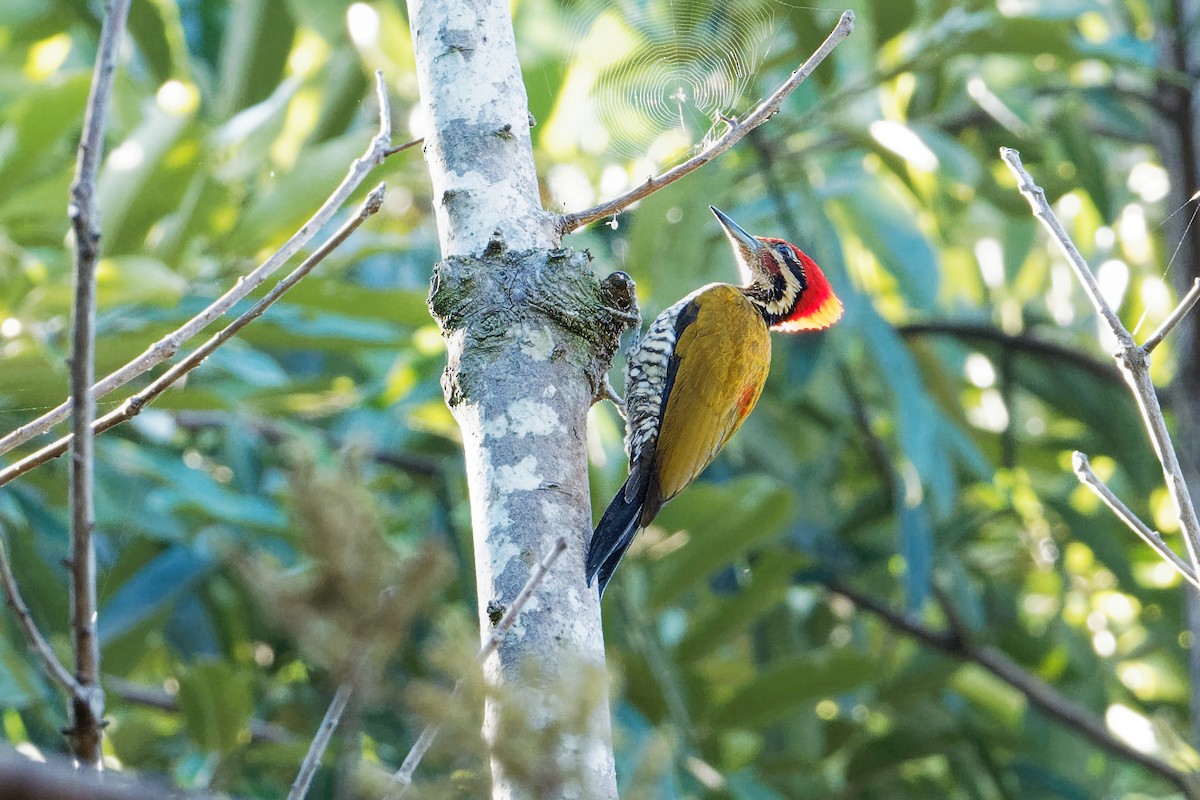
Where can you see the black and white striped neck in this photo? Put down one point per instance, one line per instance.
(777, 290)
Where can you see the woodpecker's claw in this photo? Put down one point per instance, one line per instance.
(619, 298)
(630, 317)
(607, 391)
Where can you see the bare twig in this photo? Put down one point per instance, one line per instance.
(308, 768)
(1025, 342)
(1181, 310)
(1134, 361)
(24, 779)
(518, 603)
(1088, 477)
(155, 697)
(737, 129)
(170, 344)
(135, 403)
(274, 431)
(1040, 694)
(53, 667)
(400, 148)
(403, 777)
(87, 700)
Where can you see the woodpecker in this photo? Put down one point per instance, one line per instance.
(695, 376)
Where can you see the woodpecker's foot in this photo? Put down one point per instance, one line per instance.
(619, 298)
(633, 319)
(607, 391)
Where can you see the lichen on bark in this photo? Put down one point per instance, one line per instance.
(487, 297)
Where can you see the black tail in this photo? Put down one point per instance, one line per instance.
(614, 533)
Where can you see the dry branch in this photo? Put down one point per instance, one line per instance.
(24, 779)
(137, 402)
(958, 643)
(169, 345)
(155, 697)
(312, 759)
(1088, 477)
(87, 699)
(50, 663)
(1134, 362)
(737, 130)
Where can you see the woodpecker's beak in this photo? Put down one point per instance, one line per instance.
(747, 248)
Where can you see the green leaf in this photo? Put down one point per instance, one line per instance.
(917, 418)
(35, 124)
(890, 752)
(217, 704)
(887, 227)
(154, 588)
(1105, 408)
(789, 683)
(916, 545)
(723, 521)
(250, 367)
(339, 295)
(769, 580)
(989, 694)
(18, 685)
(747, 786)
(290, 198)
(1020, 35)
(146, 27)
(141, 173)
(254, 52)
(890, 18)
(1080, 145)
(128, 280)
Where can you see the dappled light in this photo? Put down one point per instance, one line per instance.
(891, 581)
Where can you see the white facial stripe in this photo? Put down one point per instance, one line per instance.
(784, 302)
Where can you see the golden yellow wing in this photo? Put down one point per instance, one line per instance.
(724, 353)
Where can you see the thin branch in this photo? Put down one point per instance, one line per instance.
(1042, 211)
(1134, 361)
(170, 344)
(1023, 341)
(737, 129)
(24, 779)
(135, 403)
(274, 432)
(1088, 477)
(403, 777)
(154, 697)
(308, 768)
(510, 617)
(50, 663)
(87, 699)
(1176, 316)
(400, 148)
(1040, 694)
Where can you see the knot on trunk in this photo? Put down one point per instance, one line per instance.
(530, 304)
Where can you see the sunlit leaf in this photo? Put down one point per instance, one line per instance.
(791, 685)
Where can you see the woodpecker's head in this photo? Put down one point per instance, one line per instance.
(786, 284)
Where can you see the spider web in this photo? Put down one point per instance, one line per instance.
(653, 78)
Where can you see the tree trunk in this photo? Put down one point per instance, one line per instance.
(1179, 118)
(530, 334)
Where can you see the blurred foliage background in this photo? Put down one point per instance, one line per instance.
(258, 525)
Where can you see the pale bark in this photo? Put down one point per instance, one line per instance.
(529, 339)
(1178, 131)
